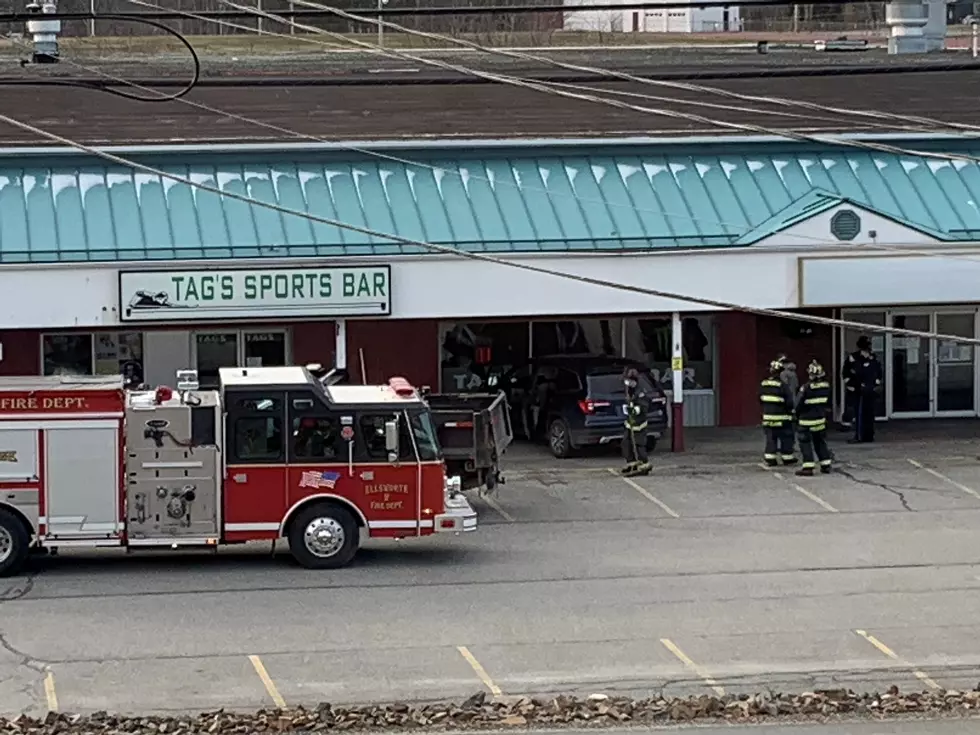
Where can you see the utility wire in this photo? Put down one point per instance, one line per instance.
(525, 56)
(527, 84)
(738, 228)
(481, 257)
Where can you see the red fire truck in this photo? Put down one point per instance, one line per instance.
(272, 453)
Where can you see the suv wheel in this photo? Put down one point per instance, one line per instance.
(560, 438)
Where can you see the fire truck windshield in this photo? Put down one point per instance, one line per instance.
(424, 432)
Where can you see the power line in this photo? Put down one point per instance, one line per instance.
(527, 84)
(398, 159)
(525, 56)
(425, 11)
(482, 257)
(741, 229)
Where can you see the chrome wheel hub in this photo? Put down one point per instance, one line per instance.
(324, 537)
(6, 545)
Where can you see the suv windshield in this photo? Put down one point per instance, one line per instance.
(424, 432)
(611, 385)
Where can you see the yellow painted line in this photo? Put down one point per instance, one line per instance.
(49, 692)
(500, 511)
(645, 493)
(684, 659)
(895, 657)
(944, 478)
(806, 493)
(479, 671)
(270, 686)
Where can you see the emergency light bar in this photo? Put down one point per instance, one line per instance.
(401, 387)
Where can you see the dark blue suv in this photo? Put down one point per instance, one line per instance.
(575, 401)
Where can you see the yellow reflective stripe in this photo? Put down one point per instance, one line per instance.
(813, 422)
(819, 385)
(815, 401)
(769, 381)
(776, 417)
(825, 462)
(773, 399)
(808, 465)
(640, 427)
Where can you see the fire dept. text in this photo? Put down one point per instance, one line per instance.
(67, 403)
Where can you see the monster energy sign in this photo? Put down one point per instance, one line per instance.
(262, 293)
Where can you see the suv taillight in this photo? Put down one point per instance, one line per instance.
(588, 407)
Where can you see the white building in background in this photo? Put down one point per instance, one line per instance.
(667, 20)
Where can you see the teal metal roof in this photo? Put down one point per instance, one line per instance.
(68, 210)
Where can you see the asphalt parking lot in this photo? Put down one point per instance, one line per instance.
(710, 574)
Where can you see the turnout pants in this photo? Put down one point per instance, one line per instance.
(635, 450)
(813, 447)
(779, 443)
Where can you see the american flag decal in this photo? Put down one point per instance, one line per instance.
(319, 479)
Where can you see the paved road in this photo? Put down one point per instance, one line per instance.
(722, 576)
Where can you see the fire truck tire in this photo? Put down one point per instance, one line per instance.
(14, 544)
(323, 536)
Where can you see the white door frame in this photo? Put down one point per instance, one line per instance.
(935, 368)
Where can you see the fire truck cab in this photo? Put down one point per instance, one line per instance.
(272, 453)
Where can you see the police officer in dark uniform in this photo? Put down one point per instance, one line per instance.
(635, 429)
(777, 416)
(811, 413)
(862, 382)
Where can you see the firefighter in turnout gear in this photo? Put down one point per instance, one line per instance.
(811, 413)
(635, 430)
(777, 416)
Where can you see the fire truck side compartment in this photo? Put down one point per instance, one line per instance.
(82, 479)
(173, 468)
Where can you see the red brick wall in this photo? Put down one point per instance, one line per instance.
(314, 342)
(405, 347)
(21, 352)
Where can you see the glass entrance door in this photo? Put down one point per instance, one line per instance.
(955, 388)
(911, 367)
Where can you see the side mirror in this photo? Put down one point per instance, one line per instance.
(391, 437)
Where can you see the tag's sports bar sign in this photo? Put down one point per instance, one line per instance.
(264, 293)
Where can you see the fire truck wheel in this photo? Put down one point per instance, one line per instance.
(14, 544)
(323, 536)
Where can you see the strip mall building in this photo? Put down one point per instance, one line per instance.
(107, 270)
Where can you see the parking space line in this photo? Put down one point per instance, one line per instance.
(479, 671)
(497, 509)
(684, 659)
(806, 493)
(50, 693)
(895, 657)
(645, 493)
(270, 686)
(944, 478)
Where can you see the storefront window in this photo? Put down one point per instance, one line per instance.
(215, 351)
(578, 337)
(473, 353)
(102, 353)
(649, 341)
(265, 349)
